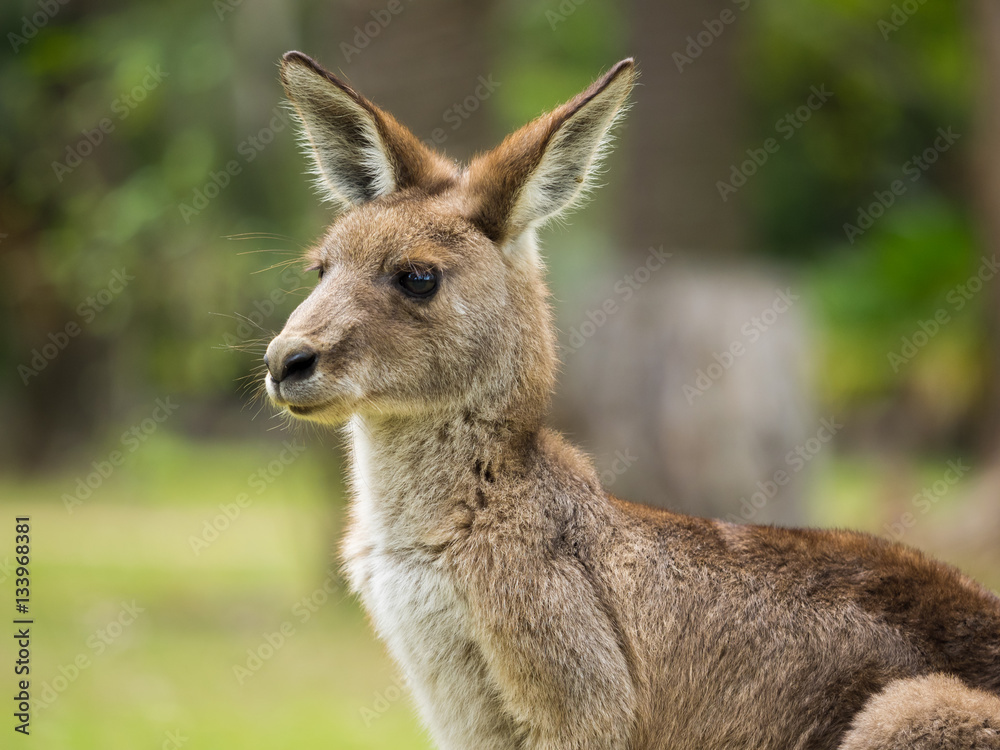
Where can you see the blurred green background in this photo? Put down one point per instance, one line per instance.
(153, 208)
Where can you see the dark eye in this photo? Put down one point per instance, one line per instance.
(316, 268)
(419, 284)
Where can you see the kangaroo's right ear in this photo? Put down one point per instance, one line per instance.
(546, 167)
(360, 151)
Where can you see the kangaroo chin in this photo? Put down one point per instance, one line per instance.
(526, 607)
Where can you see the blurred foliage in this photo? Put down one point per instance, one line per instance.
(890, 95)
(120, 208)
(896, 79)
(557, 52)
(876, 297)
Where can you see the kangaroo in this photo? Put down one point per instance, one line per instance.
(527, 607)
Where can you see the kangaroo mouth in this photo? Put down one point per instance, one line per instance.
(328, 401)
(330, 410)
(295, 397)
(302, 411)
(333, 412)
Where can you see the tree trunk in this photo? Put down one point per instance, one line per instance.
(685, 132)
(424, 67)
(986, 189)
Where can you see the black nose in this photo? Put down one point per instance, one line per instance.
(297, 365)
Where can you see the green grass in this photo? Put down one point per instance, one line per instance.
(172, 669)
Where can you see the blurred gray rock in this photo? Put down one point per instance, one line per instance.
(691, 391)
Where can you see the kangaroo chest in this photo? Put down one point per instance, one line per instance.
(422, 618)
(419, 612)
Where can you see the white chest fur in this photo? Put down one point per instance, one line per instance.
(415, 606)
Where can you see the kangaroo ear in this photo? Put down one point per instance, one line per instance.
(360, 152)
(548, 165)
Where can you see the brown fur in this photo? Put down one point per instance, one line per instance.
(527, 607)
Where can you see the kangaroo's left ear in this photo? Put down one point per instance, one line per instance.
(361, 152)
(547, 166)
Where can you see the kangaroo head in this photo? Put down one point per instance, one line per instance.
(430, 292)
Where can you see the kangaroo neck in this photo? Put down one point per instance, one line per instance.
(416, 479)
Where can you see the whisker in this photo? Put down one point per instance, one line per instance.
(251, 321)
(264, 236)
(269, 250)
(282, 264)
(251, 346)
